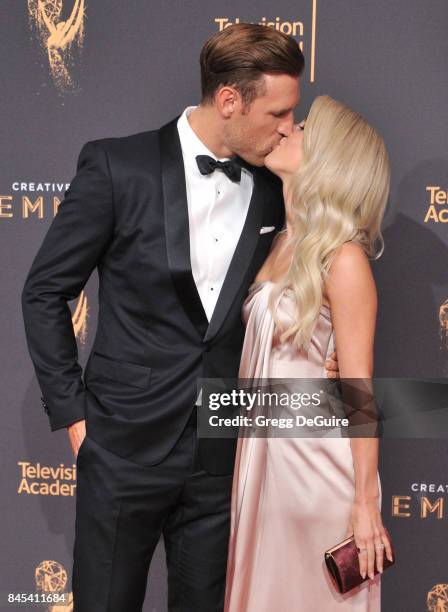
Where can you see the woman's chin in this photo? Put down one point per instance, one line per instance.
(269, 162)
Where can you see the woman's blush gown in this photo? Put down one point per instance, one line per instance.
(291, 497)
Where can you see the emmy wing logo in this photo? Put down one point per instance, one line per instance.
(58, 37)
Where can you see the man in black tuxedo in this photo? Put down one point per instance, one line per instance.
(177, 222)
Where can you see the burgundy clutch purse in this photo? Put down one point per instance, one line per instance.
(343, 565)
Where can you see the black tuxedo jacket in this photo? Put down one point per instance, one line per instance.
(126, 214)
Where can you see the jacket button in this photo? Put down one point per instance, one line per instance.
(44, 404)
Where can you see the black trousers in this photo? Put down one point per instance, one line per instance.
(123, 508)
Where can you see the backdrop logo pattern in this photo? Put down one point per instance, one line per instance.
(437, 599)
(38, 479)
(437, 211)
(443, 323)
(58, 37)
(426, 499)
(34, 206)
(79, 318)
(305, 34)
(33, 198)
(51, 577)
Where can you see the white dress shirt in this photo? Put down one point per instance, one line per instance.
(217, 209)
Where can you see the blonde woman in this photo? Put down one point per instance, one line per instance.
(293, 498)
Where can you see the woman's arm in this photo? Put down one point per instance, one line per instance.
(351, 292)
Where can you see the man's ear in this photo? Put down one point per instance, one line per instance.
(226, 100)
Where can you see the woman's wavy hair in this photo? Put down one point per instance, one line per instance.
(338, 195)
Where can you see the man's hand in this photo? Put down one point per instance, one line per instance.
(332, 367)
(76, 434)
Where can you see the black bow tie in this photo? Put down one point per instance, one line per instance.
(231, 168)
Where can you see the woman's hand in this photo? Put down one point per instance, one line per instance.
(371, 537)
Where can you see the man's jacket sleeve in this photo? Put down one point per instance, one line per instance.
(77, 238)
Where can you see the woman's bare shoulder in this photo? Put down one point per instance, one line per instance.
(350, 274)
(349, 255)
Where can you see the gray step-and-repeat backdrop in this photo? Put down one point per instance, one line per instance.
(91, 69)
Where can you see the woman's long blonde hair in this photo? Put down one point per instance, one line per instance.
(338, 194)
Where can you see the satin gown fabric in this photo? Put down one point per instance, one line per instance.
(291, 497)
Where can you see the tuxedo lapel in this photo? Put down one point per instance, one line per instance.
(242, 257)
(177, 225)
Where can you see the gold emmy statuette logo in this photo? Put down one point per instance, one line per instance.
(79, 318)
(443, 322)
(437, 599)
(51, 577)
(58, 36)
